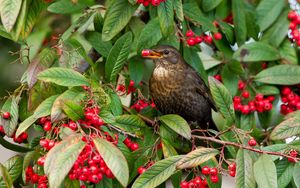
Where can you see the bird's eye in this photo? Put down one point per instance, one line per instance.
(166, 52)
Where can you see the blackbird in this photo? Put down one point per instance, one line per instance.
(176, 88)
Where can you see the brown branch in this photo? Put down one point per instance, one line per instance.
(121, 131)
(226, 143)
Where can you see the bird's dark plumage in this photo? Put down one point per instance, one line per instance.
(176, 88)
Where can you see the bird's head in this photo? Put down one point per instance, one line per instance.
(166, 56)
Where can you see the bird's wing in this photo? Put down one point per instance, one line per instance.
(201, 88)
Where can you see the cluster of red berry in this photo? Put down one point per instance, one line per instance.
(295, 21)
(290, 99)
(148, 2)
(122, 88)
(232, 169)
(91, 117)
(143, 168)
(131, 145)
(212, 172)
(89, 166)
(259, 104)
(141, 104)
(293, 154)
(47, 144)
(192, 40)
(197, 182)
(34, 178)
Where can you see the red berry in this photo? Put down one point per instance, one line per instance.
(6, 115)
(127, 141)
(232, 166)
(241, 85)
(189, 33)
(155, 2)
(293, 153)
(24, 135)
(259, 97)
(213, 171)
(184, 184)
(44, 143)
(35, 178)
(245, 109)
(134, 146)
(268, 106)
(73, 125)
(198, 39)
(208, 39)
(245, 94)
(292, 15)
(191, 41)
(43, 120)
(145, 53)
(293, 25)
(205, 170)
(109, 174)
(252, 142)
(218, 77)
(232, 173)
(218, 36)
(41, 161)
(237, 99)
(141, 170)
(214, 178)
(47, 126)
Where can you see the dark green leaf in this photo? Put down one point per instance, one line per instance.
(178, 9)
(284, 173)
(13, 147)
(9, 10)
(244, 171)
(116, 18)
(280, 74)
(296, 174)
(158, 173)
(256, 51)
(196, 158)
(28, 157)
(63, 77)
(10, 125)
(73, 110)
(166, 17)
(114, 160)
(117, 57)
(136, 70)
(223, 99)
(265, 172)
(287, 53)
(267, 90)
(68, 7)
(268, 11)
(14, 167)
(149, 36)
(247, 122)
(100, 46)
(60, 159)
(115, 104)
(177, 124)
(168, 149)
(209, 5)
(239, 21)
(129, 123)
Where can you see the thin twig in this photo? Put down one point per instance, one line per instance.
(226, 143)
(121, 131)
(146, 119)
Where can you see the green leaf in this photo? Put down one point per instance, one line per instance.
(114, 160)
(239, 21)
(296, 174)
(149, 36)
(28, 157)
(268, 11)
(61, 157)
(177, 124)
(116, 18)
(178, 9)
(136, 70)
(117, 57)
(68, 7)
(129, 123)
(196, 157)
(222, 98)
(278, 31)
(256, 51)
(115, 104)
(265, 172)
(287, 128)
(76, 94)
(158, 173)
(166, 17)
(44, 109)
(284, 173)
(280, 74)
(287, 53)
(209, 5)
(247, 122)
(9, 11)
(63, 77)
(192, 11)
(168, 149)
(10, 125)
(100, 46)
(244, 170)
(5, 178)
(13, 147)
(73, 110)
(267, 90)
(14, 167)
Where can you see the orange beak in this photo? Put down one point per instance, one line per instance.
(151, 54)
